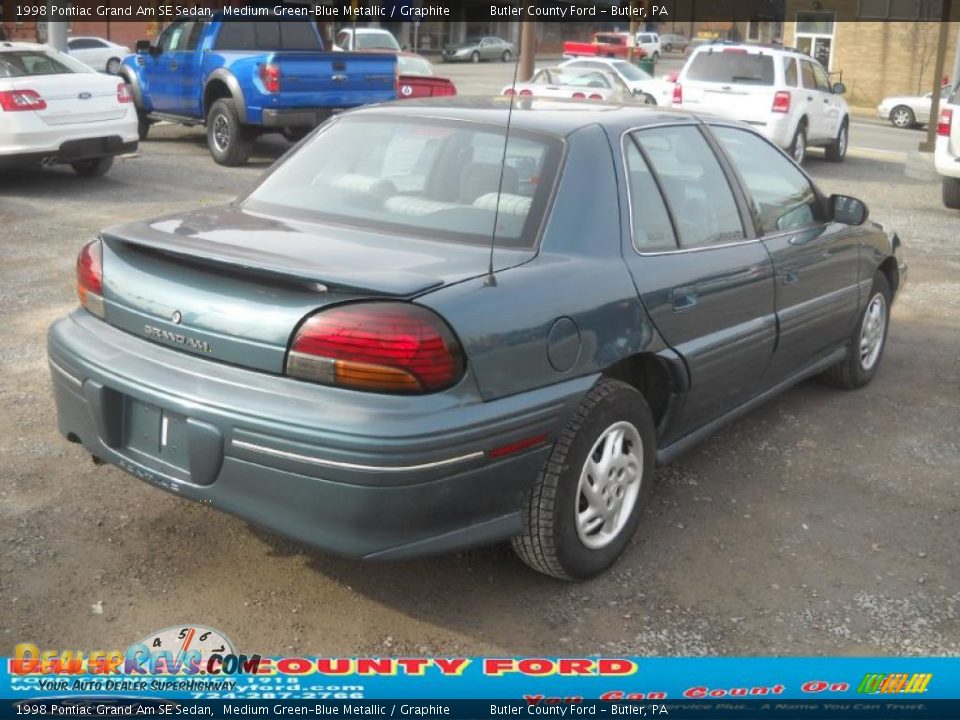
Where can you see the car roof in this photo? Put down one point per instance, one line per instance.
(550, 116)
(10, 45)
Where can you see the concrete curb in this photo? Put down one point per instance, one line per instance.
(919, 166)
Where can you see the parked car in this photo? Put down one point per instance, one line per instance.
(947, 152)
(604, 44)
(785, 94)
(365, 39)
(415, 335)
(98, 53)
(480, 48)
(906, 111)
(241, 79)
(56, 109)
(697, 43)
(649, 43)
(671, 41)
(417, 78)
(574, 84)
(656, 91)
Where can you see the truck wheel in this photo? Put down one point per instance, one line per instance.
(95, 167)
(951, 193)
(586, 502)
(867, 341)
(229, 140)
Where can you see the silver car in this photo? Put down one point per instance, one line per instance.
(906, 111)
(480, 48)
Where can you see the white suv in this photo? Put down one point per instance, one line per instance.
(947, 154)
(649, 42)
(784, 94)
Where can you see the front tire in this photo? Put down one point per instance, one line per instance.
(113, 66)
(143, 125)
(837, 150)
(229, 140)
(902, 117)
(867, 341)
(951, 193)
(93, 168)
(798, 148)
(585, 504)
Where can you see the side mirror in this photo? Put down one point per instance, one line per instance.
(848, 210)
(143, 47)
(839, 88)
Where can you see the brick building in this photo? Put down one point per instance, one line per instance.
(878, 47)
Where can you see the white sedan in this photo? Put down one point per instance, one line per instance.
(573, 83)
(656, 90)
(55, 109)
(98, 53)
(906, 111)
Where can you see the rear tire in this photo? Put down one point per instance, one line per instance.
(668, 47)
(902, 117)
(143, 125)
(867, 341)
(230, 141)
(507, 56)
(656, 56)
(95, 167)
(600, 468)
(951, 193)
(475, 57)
(798, 148)
(837, 150)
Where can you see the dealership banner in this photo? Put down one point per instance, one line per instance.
(195, 670)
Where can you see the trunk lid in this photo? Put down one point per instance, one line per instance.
(418, 86)
(75, 98)
(232, 286)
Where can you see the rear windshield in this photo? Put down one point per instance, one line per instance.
(578, 77)
(435, 179)
(414, 66)
(245, 35)
(726, 66)
(376, 41)
(27, 63)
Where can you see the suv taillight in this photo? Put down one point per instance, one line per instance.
(123, 93)
(270, 77)
(16, 100)
(946, 118)
(781, 102)
(90, 277)
(677, 94)
(392, 347)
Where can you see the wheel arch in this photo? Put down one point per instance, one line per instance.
(659, 377)
(131, 78)
(890, 270)
(223, 85)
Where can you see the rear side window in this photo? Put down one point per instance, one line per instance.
(809, 79)
(652, 229)
(695, 186)
(790, 71)
(728, 66)
(267, 36)
(782, 195)
(27, 63)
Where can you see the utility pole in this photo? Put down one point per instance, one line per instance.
(930, 143)
(955, 76)
(528, 50)
(56, 31)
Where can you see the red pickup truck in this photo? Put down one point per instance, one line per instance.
(605, 44)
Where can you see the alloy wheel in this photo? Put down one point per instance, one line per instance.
(872, 331)
(221, 133)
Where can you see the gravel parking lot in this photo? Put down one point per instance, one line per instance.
(824, 523)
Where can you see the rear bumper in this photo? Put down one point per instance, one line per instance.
(357, 474)
(299, 117)
(74, 150)
(31, 138)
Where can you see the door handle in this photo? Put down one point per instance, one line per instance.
(684, 298)
(789, 278)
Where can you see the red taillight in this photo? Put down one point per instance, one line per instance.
(90, 277)
(16, 100)
(123, 93)
(378, 346)
(677, 94)
(781, 102)
(946, 118)
(526, 92)
(578, 96)
(270, 77)
(509, 91)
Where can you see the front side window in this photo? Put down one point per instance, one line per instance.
(175, 36)
(821, 77)
(439, 179)
(782, 196)
(652, 229)
(700, 199)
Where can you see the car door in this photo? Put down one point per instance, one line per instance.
(830, 103)
(812, 102)
(188, 67)
(163, 68)
(815, 261)
(705, 281)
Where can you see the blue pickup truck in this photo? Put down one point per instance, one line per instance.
(241, 78)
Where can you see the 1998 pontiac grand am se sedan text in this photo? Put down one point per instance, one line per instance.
(334, 355)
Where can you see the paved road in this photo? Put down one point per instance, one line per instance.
(823, 523)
